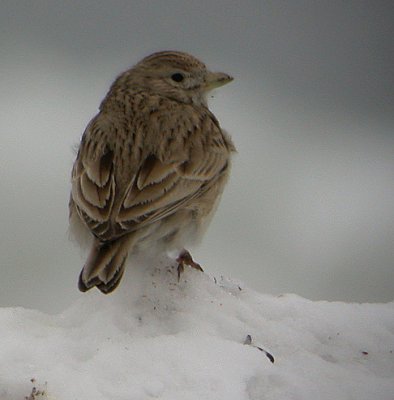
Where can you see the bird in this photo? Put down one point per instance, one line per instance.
(150, 168)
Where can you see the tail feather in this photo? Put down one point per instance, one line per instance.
(114, 282)
(104, 267)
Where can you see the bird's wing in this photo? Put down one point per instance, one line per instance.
(172, 176)
(93, 181)
(164, 180)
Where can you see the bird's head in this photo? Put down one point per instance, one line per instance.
(175, 75)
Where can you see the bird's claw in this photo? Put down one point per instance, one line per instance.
(185, 258)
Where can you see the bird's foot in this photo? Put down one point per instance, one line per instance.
(185, 258)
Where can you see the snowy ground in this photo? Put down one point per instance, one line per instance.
(157, 339)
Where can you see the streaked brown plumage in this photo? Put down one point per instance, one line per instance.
(151, 165)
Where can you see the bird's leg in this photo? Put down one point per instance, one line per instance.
(185, 258)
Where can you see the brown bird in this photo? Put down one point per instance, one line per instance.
(151, 166)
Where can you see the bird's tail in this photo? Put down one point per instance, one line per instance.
(105, 266)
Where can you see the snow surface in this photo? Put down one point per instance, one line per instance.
(155, 338)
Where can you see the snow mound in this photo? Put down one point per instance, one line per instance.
(155, 338)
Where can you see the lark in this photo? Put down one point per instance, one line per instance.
(151, 167)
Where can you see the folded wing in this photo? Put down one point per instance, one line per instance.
(159, 184)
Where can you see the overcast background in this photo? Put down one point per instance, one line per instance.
(309, 207)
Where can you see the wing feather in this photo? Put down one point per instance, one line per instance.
(153, 171)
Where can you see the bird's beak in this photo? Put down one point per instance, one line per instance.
(216, 79)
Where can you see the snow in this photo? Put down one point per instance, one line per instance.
(155, 338)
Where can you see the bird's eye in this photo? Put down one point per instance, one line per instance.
(177, 77)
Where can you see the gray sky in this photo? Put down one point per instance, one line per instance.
(309, 207)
